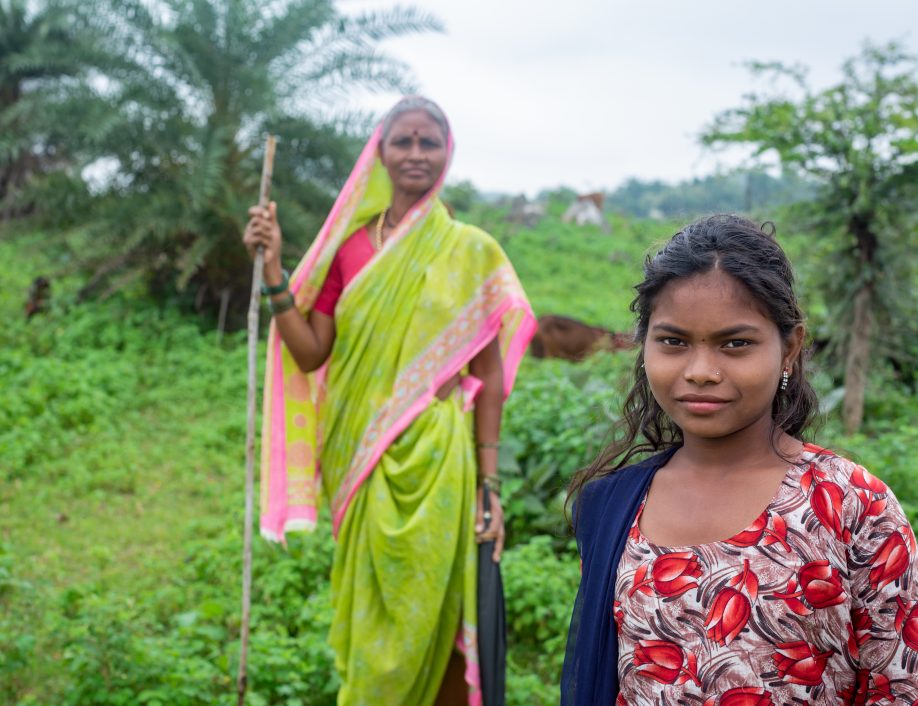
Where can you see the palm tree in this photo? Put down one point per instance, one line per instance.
(43, 50)
(185, 116)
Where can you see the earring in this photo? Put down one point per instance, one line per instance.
(784, 378)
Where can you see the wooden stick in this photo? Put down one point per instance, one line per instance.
(264, 198)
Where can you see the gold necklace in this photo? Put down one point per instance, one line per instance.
(379, 225)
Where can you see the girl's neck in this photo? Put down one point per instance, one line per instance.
(758, 446)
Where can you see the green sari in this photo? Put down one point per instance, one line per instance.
(397, 464)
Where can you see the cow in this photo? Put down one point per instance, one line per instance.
(570, 339)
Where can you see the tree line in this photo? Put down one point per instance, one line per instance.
(742, 190)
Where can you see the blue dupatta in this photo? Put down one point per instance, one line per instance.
(603, 514)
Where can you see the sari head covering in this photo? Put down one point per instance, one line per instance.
(411, 319)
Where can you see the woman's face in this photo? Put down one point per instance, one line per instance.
(713, 358)
(414, 152)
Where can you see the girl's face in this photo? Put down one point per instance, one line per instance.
(713, 358)
(414, 152)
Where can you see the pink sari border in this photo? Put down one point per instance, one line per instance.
(472, 673)
(272, 521)
(518, 345)
(488, 331)
(367, 155)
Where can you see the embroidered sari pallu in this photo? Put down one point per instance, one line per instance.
(397, 464)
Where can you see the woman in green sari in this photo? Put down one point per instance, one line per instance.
(392, 348)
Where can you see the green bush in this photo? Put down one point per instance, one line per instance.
(556, 421)
(540, 587)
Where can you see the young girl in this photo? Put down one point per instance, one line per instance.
(739, 566)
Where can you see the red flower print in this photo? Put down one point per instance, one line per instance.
(778, 532)
(662, 661)
(879, 689)
(618, 615)
(821, 584)
(747, 579)
(791, 596)
(728, 616)
(907, 623)
(809, 446)
(746, 696)
(799, 663)
(641, 583)
(909, 534)
(858, 630)
(675, 573)
(863, 479)
(856, 693)
(750, 536)
(826, 502)
(620, 700)
(890, 561)
(811, 475)
(870, 491)
(873, 507)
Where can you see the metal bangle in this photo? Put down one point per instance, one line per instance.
(270, 291)
(488, 445)
(283, 305)
(492, 483)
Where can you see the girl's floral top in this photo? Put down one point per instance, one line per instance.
(816, 602)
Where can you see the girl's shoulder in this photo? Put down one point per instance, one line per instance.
(845, 502)
(615, 495)
(825, 466)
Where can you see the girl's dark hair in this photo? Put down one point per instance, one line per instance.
(749, 253)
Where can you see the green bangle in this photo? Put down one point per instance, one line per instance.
(283, 305)
(277, 288)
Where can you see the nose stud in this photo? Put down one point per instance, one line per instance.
(716, 372)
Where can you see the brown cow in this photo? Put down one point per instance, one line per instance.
(570, 339)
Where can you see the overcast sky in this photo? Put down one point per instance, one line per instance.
(587, 93)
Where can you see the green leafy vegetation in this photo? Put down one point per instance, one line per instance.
(122, 423)
(122, 444)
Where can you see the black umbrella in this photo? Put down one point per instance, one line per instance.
(492, 624)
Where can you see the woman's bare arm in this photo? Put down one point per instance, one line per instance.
(488, 367)
(309, 340)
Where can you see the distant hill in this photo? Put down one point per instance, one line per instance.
(741, 191)
(738, 192)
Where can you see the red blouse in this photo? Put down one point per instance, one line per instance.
(351, 257)
(815, 602)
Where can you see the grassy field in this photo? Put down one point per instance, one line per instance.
(121, 457)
